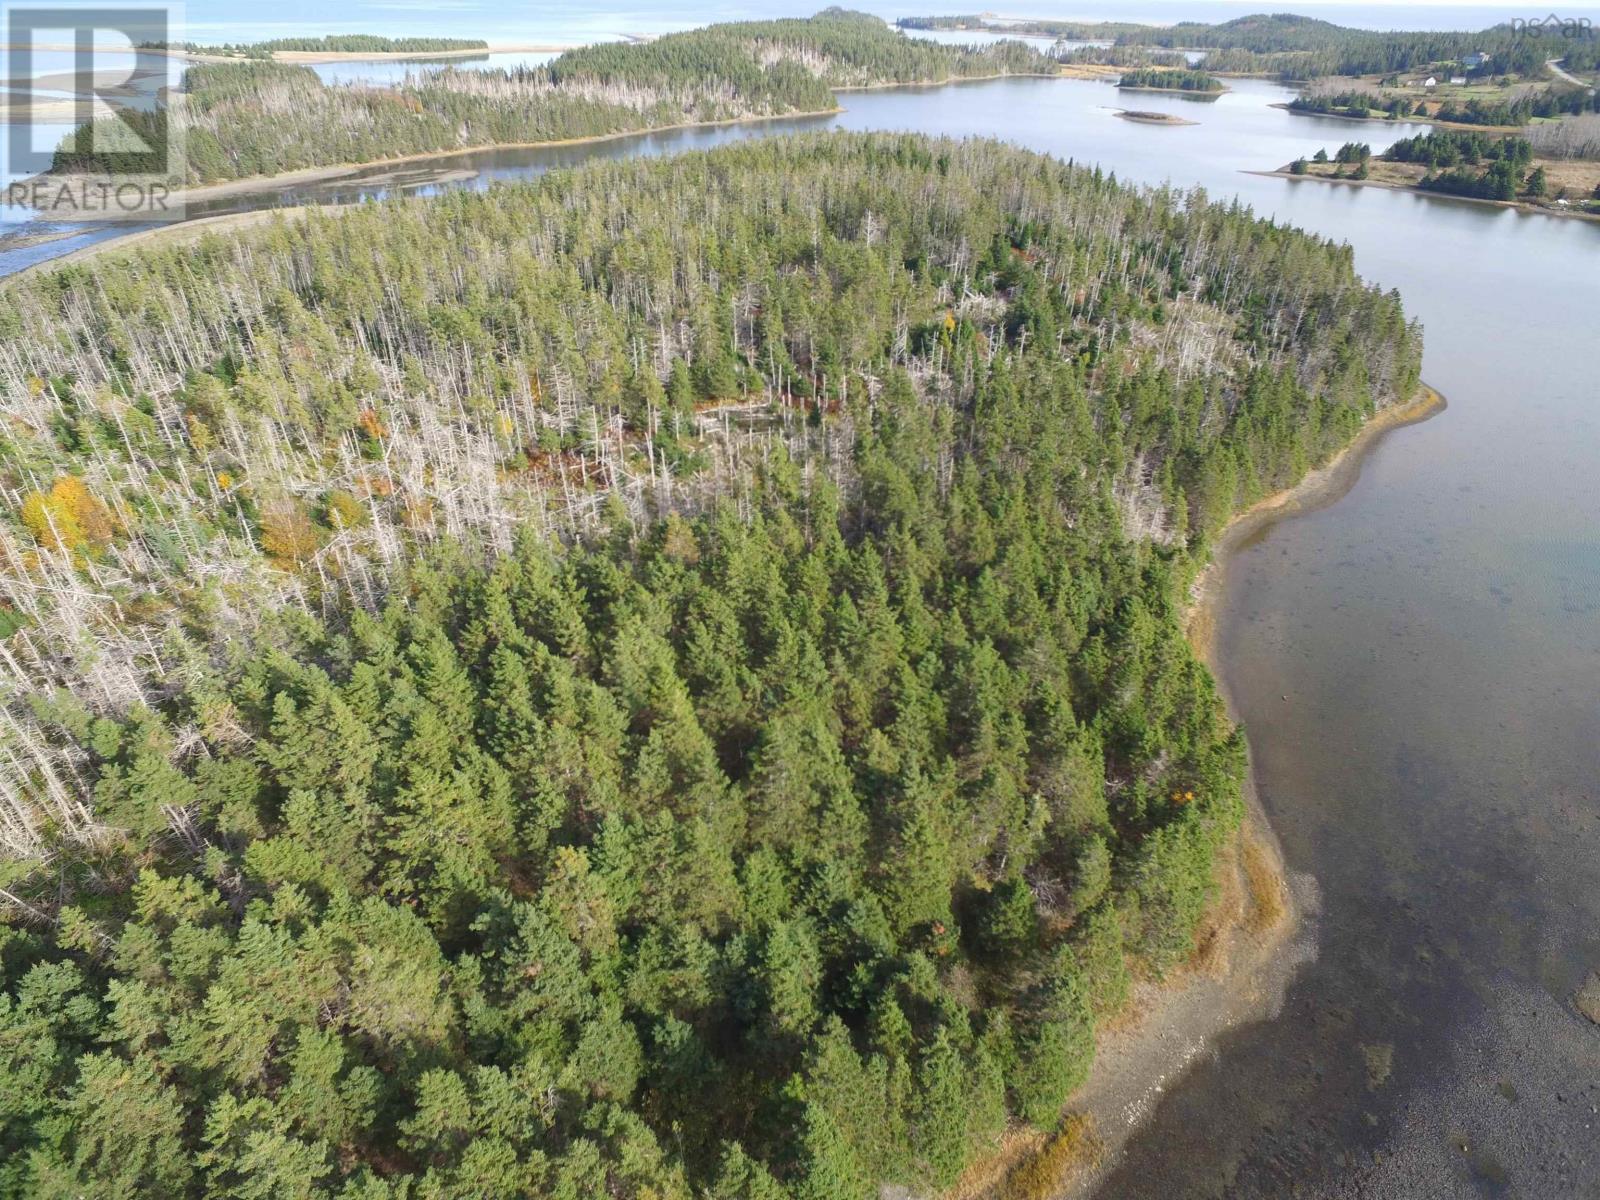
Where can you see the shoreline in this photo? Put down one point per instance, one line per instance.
(1518, 205)
(178, 233)
(322, 57)
(253, 184)
(1289, 107)
(1247, 956)
(1192, 93)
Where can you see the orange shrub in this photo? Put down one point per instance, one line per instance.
(371, 424)
(68, 517)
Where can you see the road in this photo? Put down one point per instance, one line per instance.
(1555, 68)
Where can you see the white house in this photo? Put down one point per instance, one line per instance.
(1458, 79)
(1430, 81)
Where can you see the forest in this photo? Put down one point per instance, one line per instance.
(1292, 47)
(1483, 166)
(1528, 106)
(1361, 102)
(988, 23)
(1453, 160)
(350, 43)
(665, 681)
(722, 72)
(1170, 80)
(1449, 148)
(366, 43)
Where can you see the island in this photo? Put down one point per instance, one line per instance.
(1163, 79)
(1152, 118)
(669, 679)
(332, 48)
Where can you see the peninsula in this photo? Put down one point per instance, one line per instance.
(669, 679)
(1477, 165)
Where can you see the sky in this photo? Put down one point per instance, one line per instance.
(571, 21)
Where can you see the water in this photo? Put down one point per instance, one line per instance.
(985, 37)
(393, 71)
(1418, 666)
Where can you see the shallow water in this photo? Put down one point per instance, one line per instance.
(1418, 666)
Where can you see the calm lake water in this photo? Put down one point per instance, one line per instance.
(1418, 666)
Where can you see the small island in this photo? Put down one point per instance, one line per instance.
(1169, 79)
(333, 48)
(1152, 118)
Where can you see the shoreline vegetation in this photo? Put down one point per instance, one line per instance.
(718, 73)
(338, 171)
(1193, 83)
(361, 406)
(1256, 938)
(1293, 48)
(1544, 210)
(334, 172)
(1475, 164)
(325, 57)
(1253, 941)
(1186, 92)
(1385, 119)
(463, 115)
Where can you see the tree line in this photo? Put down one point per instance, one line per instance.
(1169, 79)
(664, 681)
(722, 72)
(348, 43)
(1366, 102)
(1357, 102)
(1292, 47)
(1467, 163)
(1459, 162)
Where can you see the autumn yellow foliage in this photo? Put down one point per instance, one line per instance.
(1074, 1148)
(344, 511)
(287, 534)
(68, 517)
